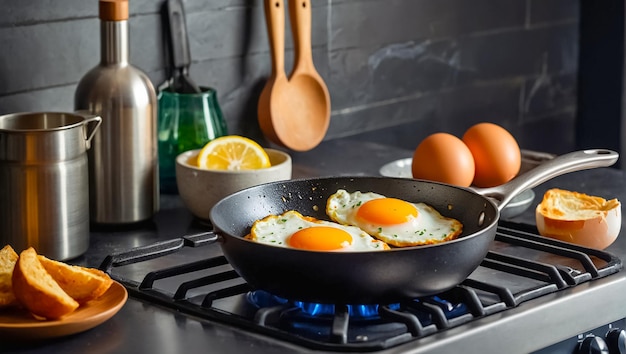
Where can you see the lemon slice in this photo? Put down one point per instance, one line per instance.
(233, 152)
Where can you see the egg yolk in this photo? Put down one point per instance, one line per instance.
(320, 238)
(386, 211)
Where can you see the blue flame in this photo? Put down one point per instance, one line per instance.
(450, 309)
(356, 311)
(262, 299)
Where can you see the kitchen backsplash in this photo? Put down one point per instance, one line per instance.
(396, 70)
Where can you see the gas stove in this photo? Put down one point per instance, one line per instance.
(192, 277)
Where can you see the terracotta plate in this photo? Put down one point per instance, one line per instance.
(19, 324)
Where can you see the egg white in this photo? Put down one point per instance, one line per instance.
(276, 229)
(428, 227)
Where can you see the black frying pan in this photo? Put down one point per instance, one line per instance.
(374, 277)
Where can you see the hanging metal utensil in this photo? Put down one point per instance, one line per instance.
(180, 55)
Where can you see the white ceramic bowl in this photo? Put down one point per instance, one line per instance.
(200, 189)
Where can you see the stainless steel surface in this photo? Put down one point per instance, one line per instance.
(123, 161)
(533, 325)
(44, 195)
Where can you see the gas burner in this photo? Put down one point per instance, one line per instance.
(262, 299)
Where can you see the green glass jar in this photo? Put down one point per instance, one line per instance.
(186, 121)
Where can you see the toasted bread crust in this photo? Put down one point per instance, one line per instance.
(560, 204)
(579, 218)
(106, 283)
(37, 290)
(82, 284)
(8, 258)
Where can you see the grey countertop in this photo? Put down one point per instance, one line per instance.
(143, 327)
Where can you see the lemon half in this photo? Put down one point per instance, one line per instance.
(233, 153)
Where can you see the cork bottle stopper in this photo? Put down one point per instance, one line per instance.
(113, 10)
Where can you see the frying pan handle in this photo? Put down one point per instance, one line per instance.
(275, 18)
(560, 165)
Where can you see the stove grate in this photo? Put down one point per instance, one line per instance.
(545, 265)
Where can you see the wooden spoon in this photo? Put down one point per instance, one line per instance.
(299, 108)
(275, 20)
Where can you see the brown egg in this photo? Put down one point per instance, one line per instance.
(497, 155)
(443, 157)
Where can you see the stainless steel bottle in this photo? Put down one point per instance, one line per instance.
(123, 159)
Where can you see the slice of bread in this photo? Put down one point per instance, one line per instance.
(82, 284)
(106, 283)
(579, 218)
(8, 258)
(35, 288)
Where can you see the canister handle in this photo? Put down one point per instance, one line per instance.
(91, 123)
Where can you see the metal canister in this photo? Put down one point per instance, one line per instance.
(44, 182)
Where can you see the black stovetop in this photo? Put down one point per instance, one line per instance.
(520, 266)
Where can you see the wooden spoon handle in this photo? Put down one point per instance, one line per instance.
(300, 15)
(275, 19)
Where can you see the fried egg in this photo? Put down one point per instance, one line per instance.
(395, 221)
(292, 229)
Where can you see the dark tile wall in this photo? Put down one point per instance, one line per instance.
(397, 70)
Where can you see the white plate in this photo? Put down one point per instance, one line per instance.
(398, 168)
